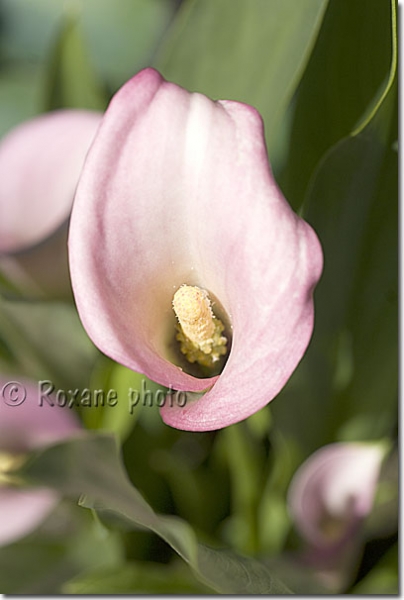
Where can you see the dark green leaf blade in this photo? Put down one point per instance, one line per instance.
(342, 79)
(348, 378)
(89, 466)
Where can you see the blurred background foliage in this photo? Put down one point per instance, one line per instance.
(323, 75)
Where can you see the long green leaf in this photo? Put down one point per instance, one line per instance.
(344, 79)
(89, 466)
(352, 365)
(253, 52)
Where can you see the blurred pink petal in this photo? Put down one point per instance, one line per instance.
(333, 491)
(23, 511)
(40, 163)
(176, 190)
(31, 424)
(25, 427)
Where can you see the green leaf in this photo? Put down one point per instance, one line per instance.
(20, 90)
(122, 394)
(47, 341)
(346, 74)
(121, 36)
(383, 579)
(350, 371)
(383, 520)
(89, 466)
(137, 578)
(61, 548)
(246, 462)
(253, 52)
(71, 80)
(373, 113)
(273, 518)
(134, 29)
(301, 578)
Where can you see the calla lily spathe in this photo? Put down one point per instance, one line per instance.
(177, 190)
(333, 491)
(330, 496)
(329, 499)
(23, 428)
(40, 164)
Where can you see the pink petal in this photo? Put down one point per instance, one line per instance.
(26, 424)
(22, 511)
(177, 189)
(33, 423)
(338, 482)
(40, 163)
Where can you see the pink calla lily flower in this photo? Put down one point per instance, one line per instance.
(332, 493)
(40, 164)
(23, 428)
(177, 191)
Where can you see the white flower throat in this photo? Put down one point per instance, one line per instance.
(199, 331)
